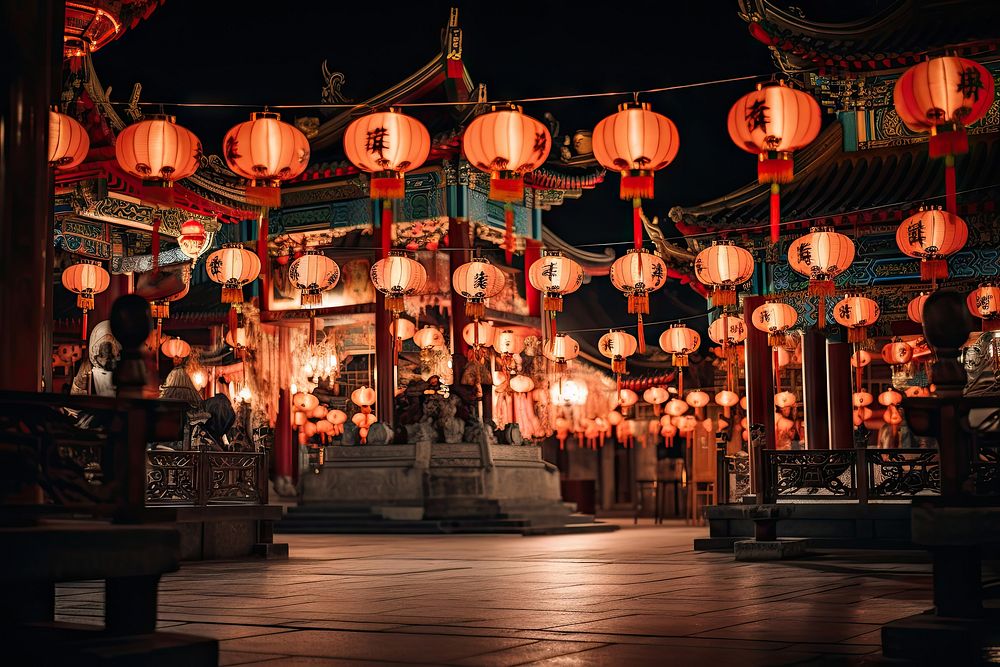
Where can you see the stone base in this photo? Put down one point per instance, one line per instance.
(936, 640)
(225, 532)
(753, 550)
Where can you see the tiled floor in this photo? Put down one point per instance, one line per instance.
(635, 597)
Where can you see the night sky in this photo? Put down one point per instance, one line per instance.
(198, 51)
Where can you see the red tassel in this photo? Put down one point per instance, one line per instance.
(156, 245)
(386, 227)
(233, 321)
(951, 199)
(953, 141)
(84, 334)
(507, 188)
(508, 236)
(157, 193)
(636, 185)
(455, 69)
(552, 325)
(264, 195)
(637, 222)
(642, 336)
(387, 186)
(775, 168)
(775, 212)
(933, 269)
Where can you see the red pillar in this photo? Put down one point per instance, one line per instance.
(459, 243)
(814, 381)
(264, 302)
(284, 444)
(839, 394)
(532, 252)
(760, 388)
(385, 380)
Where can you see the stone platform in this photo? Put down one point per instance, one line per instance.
(435, 487)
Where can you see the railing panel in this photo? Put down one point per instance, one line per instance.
(825, 474)
(172, 477)
(903, 473)
(234, 477)
(205, 477)
(738, 476)
(986, 469)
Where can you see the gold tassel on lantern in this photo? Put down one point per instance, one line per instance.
(160, 309)
(394, 303)
(232, 295)
(638, 304)
(776, 339)
(475, 309)
(679, 360)
(311, 297)
(618, 365)
(552, 303)
(85, 300)
(723, 296)
(857, 334)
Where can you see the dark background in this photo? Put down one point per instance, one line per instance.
(271, 53)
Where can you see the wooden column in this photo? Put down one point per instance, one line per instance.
(760, 389)
(31, 33)
(385, 380)
(814, 390)
(839, 395)
(459, 243)
(532, 252)
(284, 443)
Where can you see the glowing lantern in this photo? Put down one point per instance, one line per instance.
(896, 353)
(917, 392)
(984, 303)
(304, 402)
(569, 392)
(158, 150)
(676, 407)
(522, 384)
(363, 397)
(560, 349)
(233, 266)
(615, 418)
(635, 142)
(402, 329)
(68, 141)
(680, 341)
(237, 339)
(506, 144)
(508, 342)
(85, 280)
(313, 273)
(862, 399)
(727, 330)
(727, 399)
(772, 122)
(861, 358)
(428, 338)
(890, 397)
(915, 308)
(617, 346)
(397, 276)
(856, 312)
(176, 349)
(785, 399)
(637, 273)
(477, 281)
(554, 276)
(655, 396)
(930, 235)
(942, 96)
(627, 398)
(266, 151)
(821, 255)
(479, 334)
(387, 144)
(320, 412)
(723, 266)
(697, 399)
(776, 318)
(192, 240)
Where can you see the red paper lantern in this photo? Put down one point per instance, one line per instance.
(312, 274)
(176, 349)
(387, 144)
(506, 144)
(85, 280)
(856, 312)
(723, 266)
(697, 399)
(363, 397)
(428, 338)
(397, 276)
(192, 239)
(656, 395)
(680, 341)
(930, 235)
(773, 122)
(477, 281)
(636, 274)
(555, 276)
(479, 334)
(896, 353)
(890, 397)
(636, 142)
(776, 318)
(68, 141)
(821, 255)
(508, 343)
(861, 358)
(266, 151)
(728, 330)
(158, 150)
(984, 303)
(617, 346)
(915, 308)
(233, 266)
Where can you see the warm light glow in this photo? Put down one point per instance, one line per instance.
(568, 392)
(68, 141)
(199, 379)
(158, 150)
(245, 394)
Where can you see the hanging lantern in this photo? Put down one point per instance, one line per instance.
(158, 151)
(697, 400)
(984, 303)
(656, 396)
(897, 353)
(636, 142)
(856, 312)
(507, 343)
(85, 280)
(237, 339)
(506, 144)
(617, 346)
(477, 281)
(363, 397)
(637, 273)
(554, 276)
(861, 358)
(727, 399)
(861, 399)
(821, 255)
(676, 407)
(776, 318)
(785, 399)
(931, 235)
(387, 144)
(723, 266)
(915, 308)
(313, 273)
(478, 336)
(68, 141)
(400, 330)
(943, 96)
(428, 338)
(176, 349)
(772, 122)
(890, 397)
(729, 330)
(233, 266)
(680, 341)
(192, 239)
(266, 151)
(304, 402)
(397, 276)
(160, 309)
(626, 399)
(522, 384)
(560, 349)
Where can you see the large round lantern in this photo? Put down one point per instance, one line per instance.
(857, 313)
(477, 281)
(984, 303)
(676, 407)
(68, 141)
(930, 235)
(428, 338)
(727, 399)
(626, 399)
(723, 266)
(896, 353)
(506, 144)
(266, 151)
(772, 122)
(397, 276)
(176, 349)
(85, 280)
(656, 396)
(727, 330)
(555, 276)
(636, 142)
(680, 341)
(890, 397)
(192, 239)
(305, 402)
(560, 349)
(637, 273)
(363, 397)
(776, 318)
(697, 399)
(821, 255)
(387, 144)
(508, 343)
(915, 308)
(312, 274)
(158, 150)
(479, 334)
(233, 266)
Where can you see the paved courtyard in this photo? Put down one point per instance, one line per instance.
(634, 597)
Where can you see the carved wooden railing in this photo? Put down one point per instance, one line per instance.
(205, 477)
(810, 474)
(734, 478)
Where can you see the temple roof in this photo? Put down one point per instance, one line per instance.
(833, 187)
(898, 36)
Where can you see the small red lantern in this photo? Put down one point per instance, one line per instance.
(617, 346)
(176, 349)
(266, 151)
(723, 266)
(727, 330)
(915, 308)
(857, 313)
(680, 341)
(637, 273)
(159, 151)
(984, 303)
(192, 239)
(931, 235)
(636, 142)
(897, 353)
(555, 276)
(233, 266)
(68, 141)
(86, 279)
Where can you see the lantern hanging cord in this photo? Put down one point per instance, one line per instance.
(470, 103)
(674, 320)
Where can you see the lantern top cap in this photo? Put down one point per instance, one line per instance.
(312, 251)
(552, 253)
(159, 116)
(262, 115)
(642, 251)
(724, 242)
(233, 245)
(401, 253)
(821, 228)
(625, 106)
(506, 106)
(92, 262)
(761, 85)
